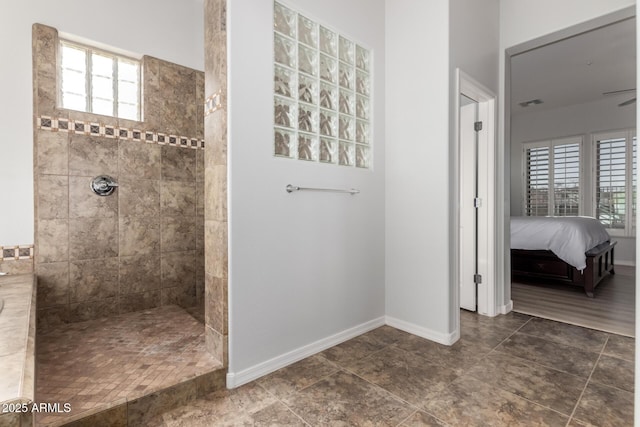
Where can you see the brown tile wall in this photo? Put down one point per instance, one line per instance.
(16, 259)
(142, 246)
(215, 209)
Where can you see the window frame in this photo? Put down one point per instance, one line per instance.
(550, 144)
(628, 135)
(89, 50)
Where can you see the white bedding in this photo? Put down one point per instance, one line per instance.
(568, 237)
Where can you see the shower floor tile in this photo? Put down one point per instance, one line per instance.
(100, 363)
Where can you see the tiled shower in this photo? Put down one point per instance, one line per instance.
(121, 278)
(143, 246)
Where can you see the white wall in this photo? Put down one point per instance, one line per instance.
(171, 30)
(474, 39)
(426, 41)
(524, 20)
(475, 35)
(417, 156)
(303, 266)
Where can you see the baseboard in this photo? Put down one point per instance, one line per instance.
(236, 379)
(627, 263)
(412, 328)
(504, 309)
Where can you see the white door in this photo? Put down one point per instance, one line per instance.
(468, 212)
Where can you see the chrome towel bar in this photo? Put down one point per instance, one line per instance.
(291, 188)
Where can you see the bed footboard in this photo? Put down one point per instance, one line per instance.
(545, 265)
(600, 262)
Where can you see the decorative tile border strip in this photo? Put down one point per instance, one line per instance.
(213, 103)
(16, 252)
(81, 127)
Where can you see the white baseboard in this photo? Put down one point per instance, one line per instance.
(627, 263)
(504, 309)
(439, 337)
(236, 379)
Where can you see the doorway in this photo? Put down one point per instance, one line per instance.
(591, 100)
(475, 265)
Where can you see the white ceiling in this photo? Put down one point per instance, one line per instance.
(576, 70)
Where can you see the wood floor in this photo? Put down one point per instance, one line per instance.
(612, 309)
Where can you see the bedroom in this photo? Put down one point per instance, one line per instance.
(566, 111)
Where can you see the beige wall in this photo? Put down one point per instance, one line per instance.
(142, 246)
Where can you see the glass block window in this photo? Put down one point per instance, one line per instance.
(98, 82)
(322, 93)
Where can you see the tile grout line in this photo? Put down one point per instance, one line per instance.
(377, 386)
(281, 401)
(504, 340)
(595, 365)
(493, 350)
(345, 369)
(406, 419)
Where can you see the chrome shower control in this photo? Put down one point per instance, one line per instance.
(103, 185)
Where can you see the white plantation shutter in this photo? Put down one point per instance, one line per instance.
(537, 186)
(611, 176)
(615, 168)
(566, 179)
(552, 181)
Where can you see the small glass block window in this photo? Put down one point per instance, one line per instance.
(99, 82)
(322, 93)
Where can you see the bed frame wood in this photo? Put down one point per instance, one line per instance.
(536, 265)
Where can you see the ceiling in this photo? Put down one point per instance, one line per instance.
(576, 70)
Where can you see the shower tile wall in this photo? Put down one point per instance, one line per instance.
(143, 246)
(216, 225)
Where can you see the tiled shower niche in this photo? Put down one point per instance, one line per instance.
(322, 88)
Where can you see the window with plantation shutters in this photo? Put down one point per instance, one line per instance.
(552, 181)
(615, 182)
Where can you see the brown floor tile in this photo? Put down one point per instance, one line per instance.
(351, 351)
(276, 415)
(469, 402)
(298, 376)
(480, 333)
(422, 419)
(620, 347)
(511, 321)
(467, 383)
(345, 399)
(575, 336)
(614, 372)
(605, 406)
(554, 389)
(459, 356)
(221, 408)
(405, 374)
(550, 354)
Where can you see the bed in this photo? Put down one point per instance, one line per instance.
(573, 250)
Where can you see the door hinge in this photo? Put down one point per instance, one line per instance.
(477, 279)
(477, 126)
(477, 202)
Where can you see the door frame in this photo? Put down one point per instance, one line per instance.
(488, 244)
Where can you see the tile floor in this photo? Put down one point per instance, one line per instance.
(512, 370)
(101, 363)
